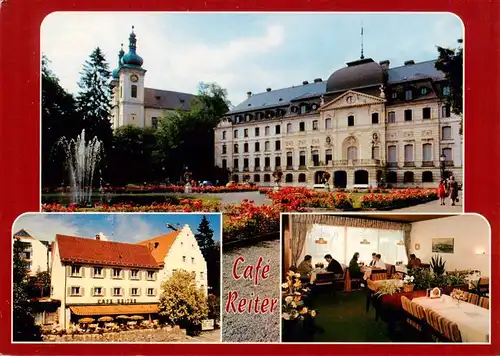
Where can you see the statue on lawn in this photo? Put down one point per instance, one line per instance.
(278, 176)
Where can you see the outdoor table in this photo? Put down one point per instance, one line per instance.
(472, 320)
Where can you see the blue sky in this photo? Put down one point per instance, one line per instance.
(117, 227)
(242, 51)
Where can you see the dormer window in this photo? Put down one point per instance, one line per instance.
(446, 90)
(394, 95)
(408, 94)
(182, 101)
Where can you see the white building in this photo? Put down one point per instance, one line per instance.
(37, 252)
(133, 103)
(179, 250)
(96, 277)
(367, 122)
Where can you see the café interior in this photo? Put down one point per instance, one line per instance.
(412, 278)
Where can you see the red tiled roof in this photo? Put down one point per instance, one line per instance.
(164, 243)
(86, 250)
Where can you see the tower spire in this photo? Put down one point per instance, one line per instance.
(362, 55)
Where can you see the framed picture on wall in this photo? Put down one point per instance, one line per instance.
(443, 245)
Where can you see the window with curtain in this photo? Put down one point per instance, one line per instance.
(342, 242)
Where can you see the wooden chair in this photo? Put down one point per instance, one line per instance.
(442, 328)
(354, 281)
(472, 298)
(378, 274)
(415, 314)
(324, 279)
(483, 286)
(484, 302)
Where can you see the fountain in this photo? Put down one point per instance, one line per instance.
(81, 160)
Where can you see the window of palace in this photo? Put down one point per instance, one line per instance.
(245, 133)
(375, 118)
(352, 153)
(315, 157)
(256, 179)
(302, 126)
(267, 178)
(408, 153)
(446, 133)
(426, 113)
(427, 152)
(257, 162)
(278, 129)
(245, 147)
(267, 130)
(288, 128)
(447, 153)
(235, 134)
(376, 152)
(224, 149)
(391, 154)
(224, 164)
(289, 178)
(277, 161)
(133, 91)
(235, 148)
(315, 125)
(350, 120)
(328, 123)
(223, 135)
(303, 109)
(408, 177)
(424, 91)
(277, 145)
(408, 94)
(328, 156)
(267, 162)
(391, 117)
(302, 178)
(302, 158)
(427, 177)
(408, 115)
(289, 160)
(154, 123)
(394, 95)
(245, 163)
(257, 146)
(445, 111)
(236, 163)
(257, 132)
(267, 146)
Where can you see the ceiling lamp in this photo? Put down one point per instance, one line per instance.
(321, 240)
(364, 242)
(400, 243)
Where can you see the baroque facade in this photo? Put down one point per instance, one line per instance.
(366, 123)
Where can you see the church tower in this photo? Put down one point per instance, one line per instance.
(128, 96)
(115, 83)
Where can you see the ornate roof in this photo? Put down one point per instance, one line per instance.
(358, 74)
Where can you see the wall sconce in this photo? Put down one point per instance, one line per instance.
(417, 247)
(364, 242)
(480, 252)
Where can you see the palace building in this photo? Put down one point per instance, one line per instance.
(132, 103)
(93, 277)
(367, 122)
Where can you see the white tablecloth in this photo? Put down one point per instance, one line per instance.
(402, 268)
(472, 320)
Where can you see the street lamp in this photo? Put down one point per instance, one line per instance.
(442, 160)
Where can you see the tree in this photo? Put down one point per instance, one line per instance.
(451, 63)
(182, 302)
(211, 253)
(59, 119)
(39, 285)
(187, 137)
(94, 98)
(24, 327)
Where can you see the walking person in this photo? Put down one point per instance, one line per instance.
(441, 191)
(453, 190)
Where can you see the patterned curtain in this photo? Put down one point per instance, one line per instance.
(339, 220)
(407, 238)
(300, 229)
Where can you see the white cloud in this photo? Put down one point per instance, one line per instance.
(174, 61)
(133, 228)
(45, 226)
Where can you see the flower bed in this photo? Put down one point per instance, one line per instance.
(144, 189)
(397, 198)
(298, 199)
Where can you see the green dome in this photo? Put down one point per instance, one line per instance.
(132, 59)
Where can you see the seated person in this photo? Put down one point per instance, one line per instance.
(305, 267)
(334, 266)
(379, 263)
(374, 259)
(414, 262)
(354, 267)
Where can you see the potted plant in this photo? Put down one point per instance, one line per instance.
(438, 265)
(408, 284)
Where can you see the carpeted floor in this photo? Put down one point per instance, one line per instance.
(342, 317)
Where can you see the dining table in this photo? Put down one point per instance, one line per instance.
(473, 321)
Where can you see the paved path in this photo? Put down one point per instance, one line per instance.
(239, 196)
(205, 336)
(435, 207)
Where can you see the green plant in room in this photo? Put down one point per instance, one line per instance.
(438, 265)
(387, 288)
